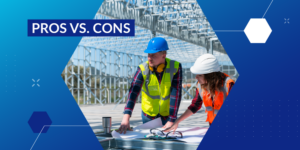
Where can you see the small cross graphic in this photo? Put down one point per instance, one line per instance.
(35, 82)
(287, 21)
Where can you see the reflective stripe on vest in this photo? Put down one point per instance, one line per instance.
(155, 95)
(216, 111)
(209, 108)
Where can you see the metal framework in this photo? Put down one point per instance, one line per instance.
(101, 68)
(181, 19)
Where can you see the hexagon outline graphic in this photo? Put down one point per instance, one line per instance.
(258, 30)
(87, 48)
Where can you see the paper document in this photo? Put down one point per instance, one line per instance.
(156, 123)
(139, 131)
(190, 135)
(135, 134)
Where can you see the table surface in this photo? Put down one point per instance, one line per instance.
(140, 144)
(94, 114)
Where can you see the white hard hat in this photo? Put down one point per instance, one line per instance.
(205, 64)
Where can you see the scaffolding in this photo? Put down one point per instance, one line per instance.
(101, 69)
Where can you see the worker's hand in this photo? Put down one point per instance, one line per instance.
(125, 124)
(172, 128)
(168, 124)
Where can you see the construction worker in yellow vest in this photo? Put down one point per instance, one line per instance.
(212, 89)
(159, 80)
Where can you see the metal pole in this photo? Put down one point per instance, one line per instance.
(95, 74)
(90, 74)
(84, 73)
(72, 77)
(78, 72)
(211, 51)
(109, 94)
(115, 77)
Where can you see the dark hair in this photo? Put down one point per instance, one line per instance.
(163, 52)
(214, 82)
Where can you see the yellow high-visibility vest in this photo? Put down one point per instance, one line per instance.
(155, 96)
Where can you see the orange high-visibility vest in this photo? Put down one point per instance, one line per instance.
(220, 96)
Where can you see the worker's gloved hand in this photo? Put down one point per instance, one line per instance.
(172, 128)
(125, 125)
(168, 124)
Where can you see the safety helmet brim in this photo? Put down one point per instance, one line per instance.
(203, 71)
(152, 51)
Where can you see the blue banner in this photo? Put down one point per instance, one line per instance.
(80, 27)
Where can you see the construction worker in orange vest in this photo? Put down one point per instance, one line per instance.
(212, 89)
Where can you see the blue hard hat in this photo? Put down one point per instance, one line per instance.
(157, 44)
